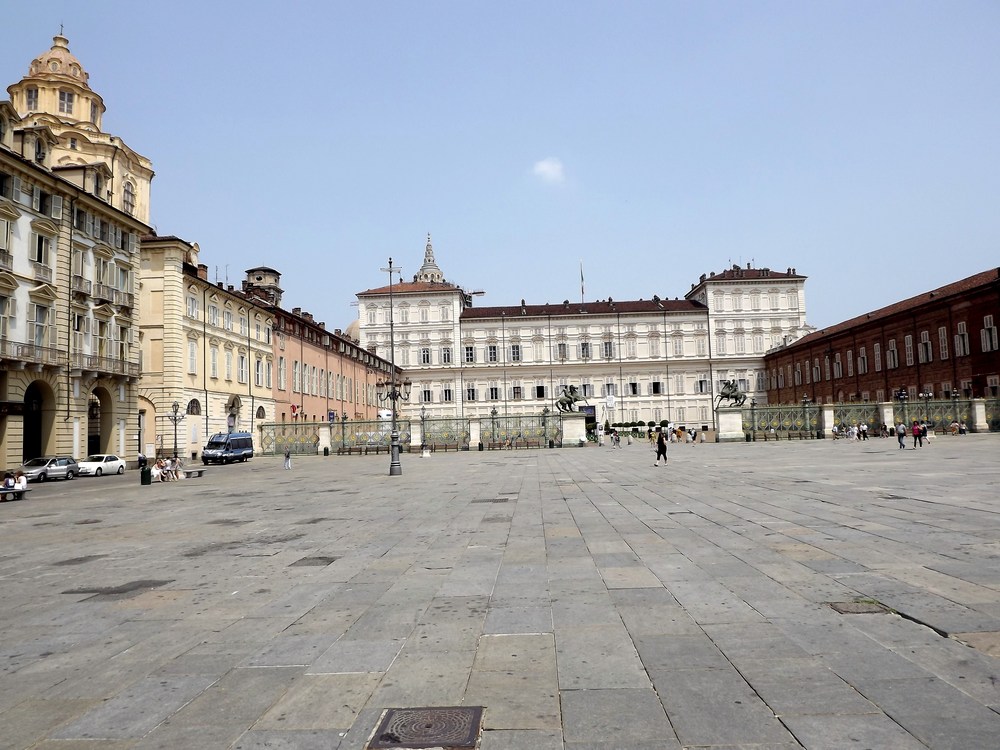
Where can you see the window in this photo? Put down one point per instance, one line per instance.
(609, 388)
(838, 369)
(7, 314)
(41, 325)
(741, 344)
(446, 394)
(192, 306)
(296, 377)
(720, 345)
(908, 348)
(227, 320)
(678, 347)
(515, 352)
(242, 369)
(213, 315)
(989, 335)
(370, 314)
(755, 301)
(494, 391)
(192, 357)
(128, 198)
(517, 393)
(446, 355)
(943, 342)
(877, 353)
(4, 235)
(282, 373)
(539, 391)
(40, 249)
(229, 365)
(94, 112)
(924, 351)
(31, 99)
(470, 393)
(588, 389)
(633, 388)
(862, 361)
(425, 356)
(470, 354)
(961, 341)
(585, 350)
(424, 314)
(700, 346)
(404, 314)
(425, 394)
(491, 352)
(445, 313)
(259, 372)
(891, 355)
(609, 349)
(214, 362)
(194, 408)
(630, 347)
(244, 326)
(655, 388)
(561, 352)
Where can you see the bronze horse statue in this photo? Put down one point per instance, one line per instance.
(732, 393)
(569, 397)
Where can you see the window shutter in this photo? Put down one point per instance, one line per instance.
(31, 322)
(51, 330)
(11, 311)
(56, 211)
(131, 242)
(36, 198)
(89, 224)
(15, 190)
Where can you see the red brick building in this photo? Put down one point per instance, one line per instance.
(940, 342)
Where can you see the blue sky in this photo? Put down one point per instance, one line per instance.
(653, 141)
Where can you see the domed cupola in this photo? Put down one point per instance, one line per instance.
(58, 85)
(429, 271)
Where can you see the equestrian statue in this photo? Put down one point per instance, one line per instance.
(570, 395)
(732, 393)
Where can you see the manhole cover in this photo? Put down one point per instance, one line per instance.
(317, 561)
(449, 727)
(859, 608)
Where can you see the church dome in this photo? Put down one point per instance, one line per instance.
(353, 331)
(59, 62)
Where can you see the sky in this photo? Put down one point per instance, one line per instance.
(651, 142)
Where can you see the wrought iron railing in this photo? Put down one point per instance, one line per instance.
(30, 353)
(520, 429)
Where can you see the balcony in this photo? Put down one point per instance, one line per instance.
(104, 365)
(82, 285)
(125, 299)
(30, 354)
(42, 272)
(104, 292)
(6, 261)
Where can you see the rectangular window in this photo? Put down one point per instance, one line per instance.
(192, 307)
(425, 356)
(678, 347)
(908, 349)
(539, 391)
(242, 370)
(561, 350)
(609, 349)
(446, 394)
(654, 348)
(988, 335)
(943, 342)
(655, 388)
(961, 341)
(862, 361)
(924, 351)
(40, 249)
(494, 392)
(66, 102)
(425, 394)
(229, 365)
(491, 353)
(470, 354)
(214, 362)
(720, 345)
(227, 320)
(838, 370)
(891, 355)
(470, 393)
(192, 357)
(31, 99)
(446, 355)
(244, 326)
(850, 363)
(609, 388)
(258, 376)
(630, 348)
(877, 353)
(585, 350)
(515, 352)
(633, 388)
(516, 393)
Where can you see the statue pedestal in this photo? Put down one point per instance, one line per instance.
(574, 429)
(730, 420)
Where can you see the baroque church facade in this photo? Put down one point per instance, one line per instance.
(633, 360)
(74, 201)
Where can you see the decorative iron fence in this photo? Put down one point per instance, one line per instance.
(446, 431)
(781, 418)
(934, 413)
(993, 414)
(514, 429)
(369, 433)
(854, 414)
(298, 439)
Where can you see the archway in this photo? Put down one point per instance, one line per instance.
(233, 407)
(38, 434)
(99, 421)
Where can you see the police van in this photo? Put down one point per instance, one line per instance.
(226, 447)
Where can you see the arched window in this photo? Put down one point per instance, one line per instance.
(128, 198)
(194, 407)
(260, 412)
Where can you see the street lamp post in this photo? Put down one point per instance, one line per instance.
(902, 395)
(545, 420)
(423, 429)
(493, 420)
(805, 409)
(343, 429)
(753, 418)
(954, 405)
(392, 389)
(175, 417)
(926, 396)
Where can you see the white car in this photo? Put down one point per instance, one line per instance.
(101, 463)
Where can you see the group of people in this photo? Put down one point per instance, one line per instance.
(12, 483)
(918, 431)
(166, 470)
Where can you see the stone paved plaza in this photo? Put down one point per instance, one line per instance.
(587, 599)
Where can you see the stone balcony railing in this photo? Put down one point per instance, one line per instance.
(96, 363)
(6, 261)
(82, 285)
(42, 272)
(30, 353)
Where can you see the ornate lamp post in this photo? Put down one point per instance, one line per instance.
(545, 419)
(423, 428)
(753, 418)
(493, 420)
(926, 396)
(805, 408)
(954, 405)
(394, 391)
(343, 429)
(175, 417)
(902, 395)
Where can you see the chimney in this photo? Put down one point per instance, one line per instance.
(297, 311)
(203, 272)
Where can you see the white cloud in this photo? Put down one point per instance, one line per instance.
(549, 170)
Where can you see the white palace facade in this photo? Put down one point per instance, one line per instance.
(634, 360)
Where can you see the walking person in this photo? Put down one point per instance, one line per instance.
(288, 458)
(901, 435)
(918, 435)
(661, 447)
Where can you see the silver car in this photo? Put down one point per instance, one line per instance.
(50, 467)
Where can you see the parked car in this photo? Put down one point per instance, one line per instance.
(50, 467)
(101, 463)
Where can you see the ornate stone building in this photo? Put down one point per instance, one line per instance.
(634, 360)
(73, 202)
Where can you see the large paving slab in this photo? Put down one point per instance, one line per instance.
(586, 598)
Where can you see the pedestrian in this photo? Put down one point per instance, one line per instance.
(288, 458)
(901, 435)
(864, 430)
(918, 435)
(661, 447)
